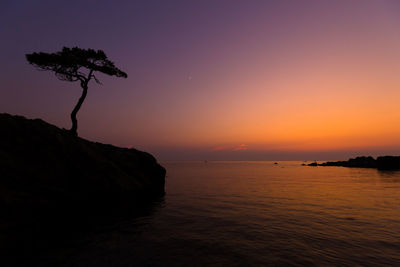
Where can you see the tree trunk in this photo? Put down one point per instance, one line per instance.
(74, 128)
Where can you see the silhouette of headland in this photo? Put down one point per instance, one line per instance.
(380, 163)
(49, 166)
(51, 180)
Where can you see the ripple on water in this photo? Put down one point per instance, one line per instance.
(256, 214)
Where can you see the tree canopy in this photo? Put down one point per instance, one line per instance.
(68, 64)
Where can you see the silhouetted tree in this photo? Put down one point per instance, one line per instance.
(76, 64)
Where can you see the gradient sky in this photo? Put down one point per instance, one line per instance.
(243, 80)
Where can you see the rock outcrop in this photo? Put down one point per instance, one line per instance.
(53, 184)
(46, 169)
(381, 163)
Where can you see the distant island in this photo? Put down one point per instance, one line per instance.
(381, 163)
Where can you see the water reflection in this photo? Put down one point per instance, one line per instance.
(392, 176)
(257, 213)
(54, 242)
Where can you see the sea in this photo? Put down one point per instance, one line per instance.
(258, 213)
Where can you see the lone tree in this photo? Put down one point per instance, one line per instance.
(76, 64)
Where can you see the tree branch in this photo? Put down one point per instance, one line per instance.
(97, 81)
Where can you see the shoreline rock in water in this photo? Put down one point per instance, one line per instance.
(54, 185)
(381, 163)
(44, 168)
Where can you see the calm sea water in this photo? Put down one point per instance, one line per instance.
(257, 214)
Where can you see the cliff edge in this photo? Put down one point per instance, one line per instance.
(44, 168)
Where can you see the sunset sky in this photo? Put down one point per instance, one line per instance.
(241, 80)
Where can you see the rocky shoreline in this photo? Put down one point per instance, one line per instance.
(54, 184)
(381, 163)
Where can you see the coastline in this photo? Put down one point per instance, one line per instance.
(380, 163)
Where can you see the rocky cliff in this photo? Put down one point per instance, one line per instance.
(42, 166)
(53, 184)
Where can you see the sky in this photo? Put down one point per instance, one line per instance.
(216, 80)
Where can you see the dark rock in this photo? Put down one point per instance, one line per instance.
(388, 163)
(362, 162)
(44, 165)
(358, 162)
(52, 179)
(381, 163)
(313, 164)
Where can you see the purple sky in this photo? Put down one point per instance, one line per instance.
(215, 79)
